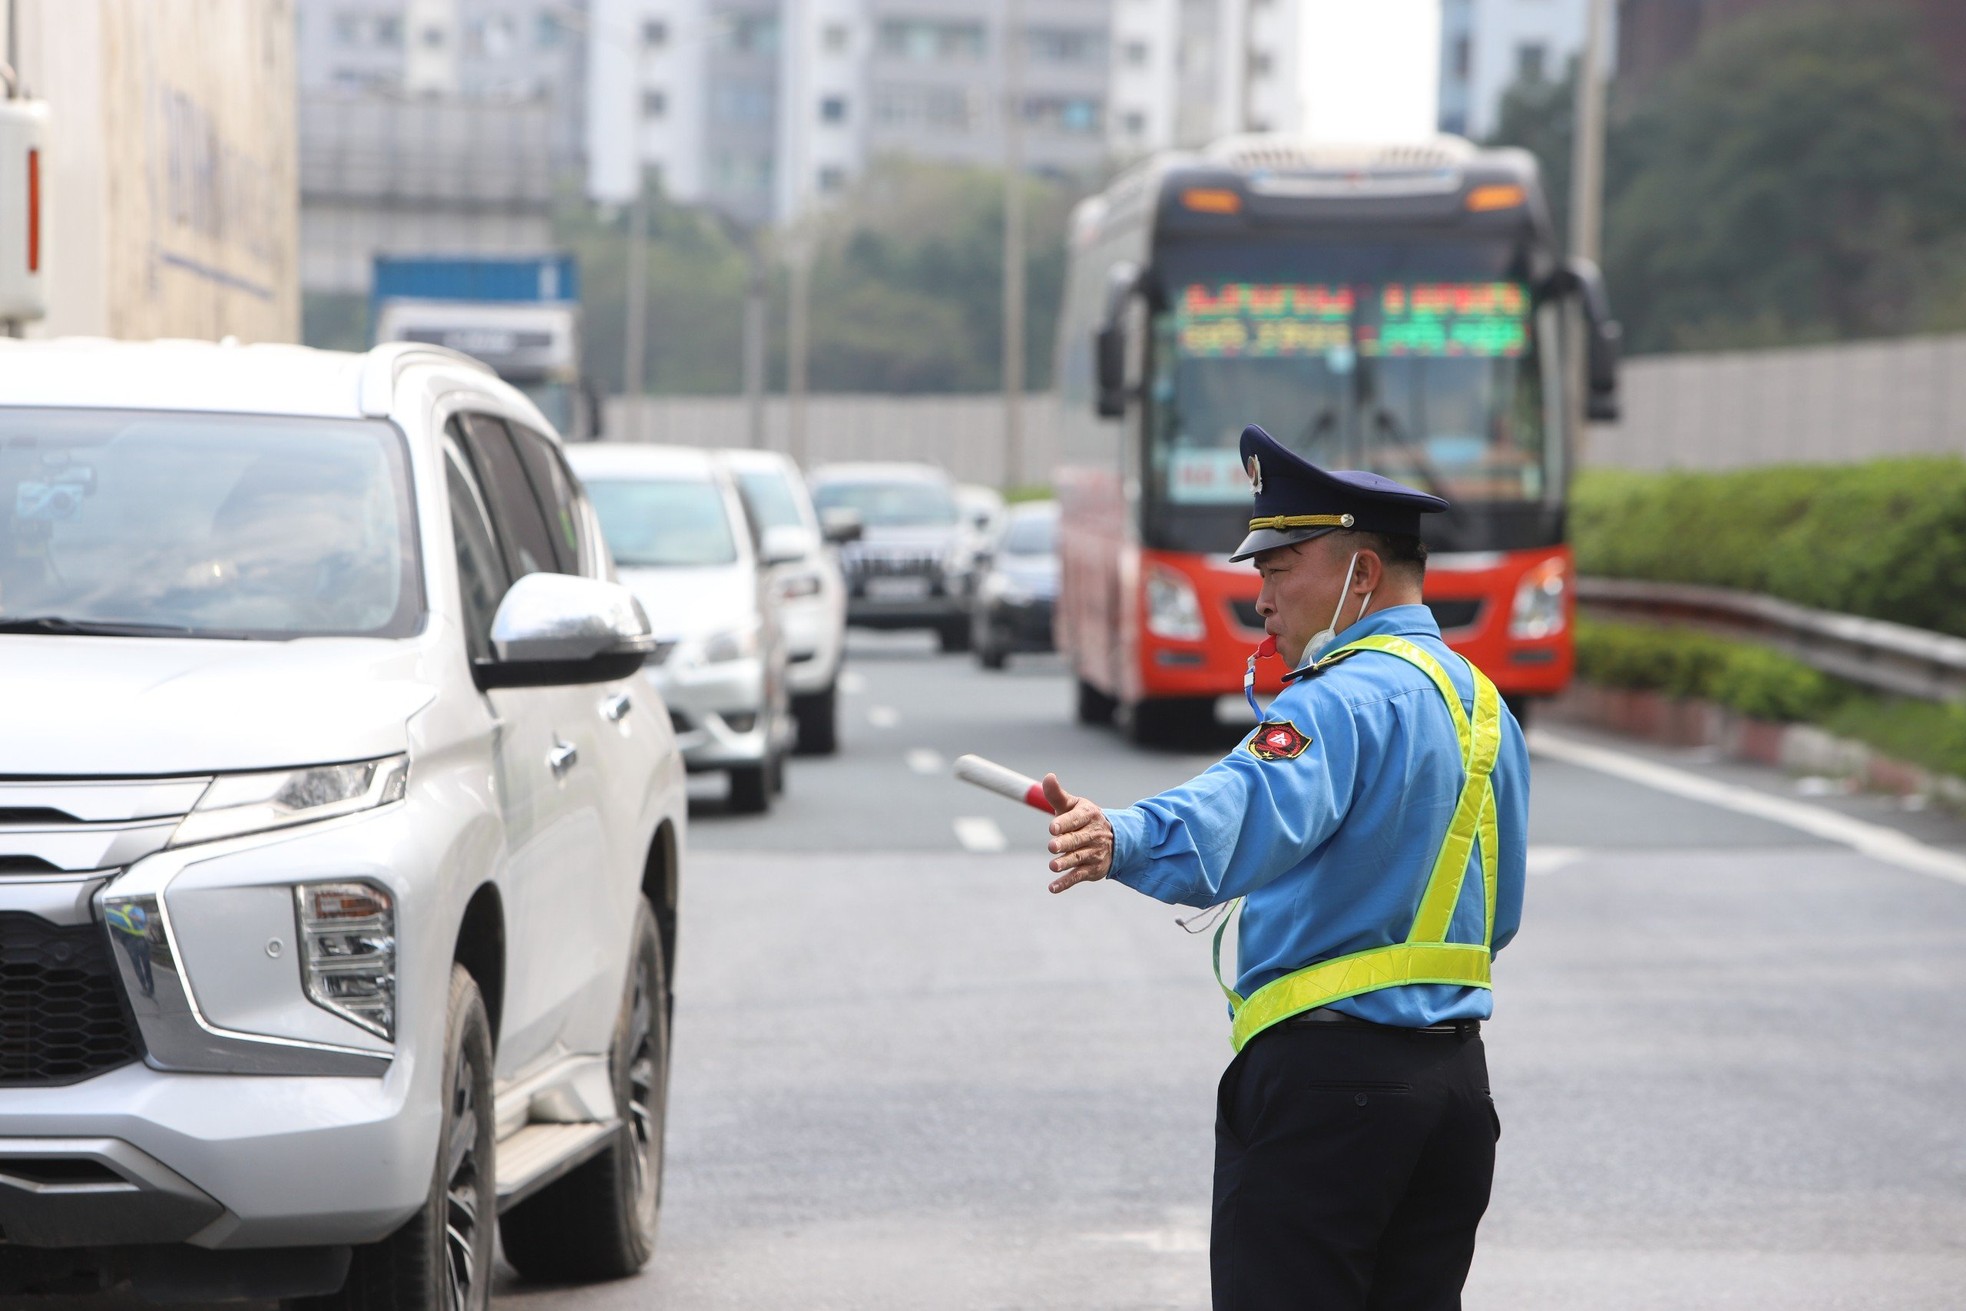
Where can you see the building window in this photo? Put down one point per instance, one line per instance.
(1136, 53)
(1529, 61)
(832, 180)
(546, 30)
(1134, 123)
(1463, 56)
(1073, 115)
(433, 38)
(1065, 45)
(347, 30)
(834, 38)
(655, 104)
(832, 109)
(742, 102)
(937, 108)
(389, 31)
(1260, 63)
(755, 34)
(926, 40)
(655, 33)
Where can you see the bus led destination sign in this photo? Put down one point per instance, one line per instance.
(1399, 319)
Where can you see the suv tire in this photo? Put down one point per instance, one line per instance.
(750, 789)
(600, 1221)
(441, 1259)
(952, 635)
(819, 719)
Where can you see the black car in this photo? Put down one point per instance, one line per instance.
(1019, 588)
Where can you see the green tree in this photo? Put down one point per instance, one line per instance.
(1800, 178)
(1540, 116)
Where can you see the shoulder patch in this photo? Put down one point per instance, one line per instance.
(1277, 739)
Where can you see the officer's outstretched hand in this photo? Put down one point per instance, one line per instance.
(1081, 838)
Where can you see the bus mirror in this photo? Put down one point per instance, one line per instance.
(1109, 360)
(1601, 357)
(1602, 335)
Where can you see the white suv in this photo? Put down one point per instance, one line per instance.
(338, 869)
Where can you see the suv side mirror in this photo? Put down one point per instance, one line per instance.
(783, 544)
(839, 524)
(553, 630)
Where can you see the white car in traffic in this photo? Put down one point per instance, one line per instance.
(686, 546)
(807, 580)
(339, 839)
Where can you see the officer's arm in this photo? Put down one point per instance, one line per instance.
(1252, 816)
(1512, 818)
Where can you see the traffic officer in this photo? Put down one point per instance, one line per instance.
(1373, 829)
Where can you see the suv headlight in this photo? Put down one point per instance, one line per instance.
(1539, 597)
(1173, 610)
(348, 952)
(236, 804)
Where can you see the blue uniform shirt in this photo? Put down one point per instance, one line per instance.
(1332, 848)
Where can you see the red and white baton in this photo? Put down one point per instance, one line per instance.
(992, 777)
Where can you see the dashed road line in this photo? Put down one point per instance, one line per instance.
(976, 833)
(1548, 860)
(1873, 840)
(852, 682)
(883, 716)
(924, 761)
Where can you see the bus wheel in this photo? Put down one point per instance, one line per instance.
(1095, 707)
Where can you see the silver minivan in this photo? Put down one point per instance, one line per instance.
(686, 547)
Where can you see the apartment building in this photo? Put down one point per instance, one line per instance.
(761, 108)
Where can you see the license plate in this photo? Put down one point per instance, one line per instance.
(897, 589)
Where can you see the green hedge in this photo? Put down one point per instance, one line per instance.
(1885, 539)
(1743, 677)
(1769, 685)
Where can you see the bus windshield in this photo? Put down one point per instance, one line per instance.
(1422, 361)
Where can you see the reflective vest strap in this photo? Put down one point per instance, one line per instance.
(1458, 963)
(1425, 956)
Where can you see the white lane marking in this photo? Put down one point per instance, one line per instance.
(852, 682)
(1873, 840)
(924, 761)
(979, 834)
(883, 716)
(1548, 860)
(1179, 1242)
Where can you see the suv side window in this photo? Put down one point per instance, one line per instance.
(558, 493)
(481, 576)
(509, 493)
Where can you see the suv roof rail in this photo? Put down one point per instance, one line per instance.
(385, 363)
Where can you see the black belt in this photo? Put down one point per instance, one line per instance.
(1325, 1015)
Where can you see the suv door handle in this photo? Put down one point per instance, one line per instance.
(562, 757)
(616, 707)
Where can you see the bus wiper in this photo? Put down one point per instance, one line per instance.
(56, 625)
(1388, 423)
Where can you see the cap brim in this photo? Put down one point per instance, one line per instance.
(1268, 539)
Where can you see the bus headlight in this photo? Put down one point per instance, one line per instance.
(1173, 611)
(1539, 598)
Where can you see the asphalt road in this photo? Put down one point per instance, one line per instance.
(1728, 1052)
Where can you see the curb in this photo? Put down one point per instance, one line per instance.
(1652, 716)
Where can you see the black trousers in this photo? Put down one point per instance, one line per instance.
(1352, 1165)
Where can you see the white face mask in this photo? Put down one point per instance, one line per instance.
(1323, 638)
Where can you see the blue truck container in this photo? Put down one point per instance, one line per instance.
(503, 278)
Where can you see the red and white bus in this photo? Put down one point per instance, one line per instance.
(1397, 309)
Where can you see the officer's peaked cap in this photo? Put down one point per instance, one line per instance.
(1297, 501)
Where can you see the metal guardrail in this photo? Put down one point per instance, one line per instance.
(1891, 657)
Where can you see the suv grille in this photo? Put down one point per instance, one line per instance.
(61, 1014)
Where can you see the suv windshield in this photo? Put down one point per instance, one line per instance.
(890, 504)
(768, 496)
(205, 525)
(1031, 534)
(658, 522)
